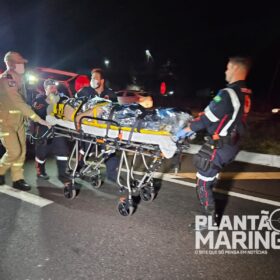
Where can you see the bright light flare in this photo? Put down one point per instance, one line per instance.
(32, 79)
(148, 55)
(107, 62)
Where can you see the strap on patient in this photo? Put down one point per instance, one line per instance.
(138, 123)
(113, 109)
(77, 125)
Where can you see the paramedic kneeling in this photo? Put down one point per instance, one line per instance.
(224, 119)
(57, 145)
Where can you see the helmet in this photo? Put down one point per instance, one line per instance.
(14, 57)
(50, 82)
(81, 81)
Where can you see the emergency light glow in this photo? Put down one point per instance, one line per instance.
(32, 79)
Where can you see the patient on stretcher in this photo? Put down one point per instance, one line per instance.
(132, 115)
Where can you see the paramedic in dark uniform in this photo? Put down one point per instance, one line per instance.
(97, 83)
(13, 111)
(57, 145)
(224, 119)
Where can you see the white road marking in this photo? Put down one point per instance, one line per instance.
(170, 178)
(25, 196)
(236, 175)
(249, 157)
(249, 197)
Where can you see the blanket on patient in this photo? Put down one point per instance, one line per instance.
(132, 115)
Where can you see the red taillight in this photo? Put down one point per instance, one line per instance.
(162, 88)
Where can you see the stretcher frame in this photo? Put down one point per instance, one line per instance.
(134, 184)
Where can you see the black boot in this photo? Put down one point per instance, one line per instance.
(41, 171)
(21, 185)
(112, 166)
(205, 211)
(62, 174)
(2, 180)
(209, 212)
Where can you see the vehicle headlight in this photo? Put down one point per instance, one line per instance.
(275, 110)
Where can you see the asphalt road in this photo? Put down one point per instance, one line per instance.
(86, 238)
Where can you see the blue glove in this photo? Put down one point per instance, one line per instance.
(63, 95)
(184, 134)
(181, 134)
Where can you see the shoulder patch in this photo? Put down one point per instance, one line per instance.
(38, 106)
(217, 98)
(12, 83)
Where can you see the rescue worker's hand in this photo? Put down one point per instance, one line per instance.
(43, 122)
(185, 133)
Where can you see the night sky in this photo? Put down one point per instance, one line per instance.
(196, 36)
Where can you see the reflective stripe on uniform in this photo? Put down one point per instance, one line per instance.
(236, 106)
(14, 112)
(17, 164)
(204, 178)
(40, 161)
(4, 134)
(61, 158)
(6, 163)
(33, 116)
(209, 114)
(82, 152)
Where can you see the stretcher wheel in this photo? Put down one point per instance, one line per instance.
(70, 191)
(147, 194)
(125, 207)
(96, 182)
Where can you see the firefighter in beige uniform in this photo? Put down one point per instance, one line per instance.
(13, 110)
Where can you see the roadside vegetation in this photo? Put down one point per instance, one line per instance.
(262, 135)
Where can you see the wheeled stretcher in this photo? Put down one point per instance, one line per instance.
(105, 137)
